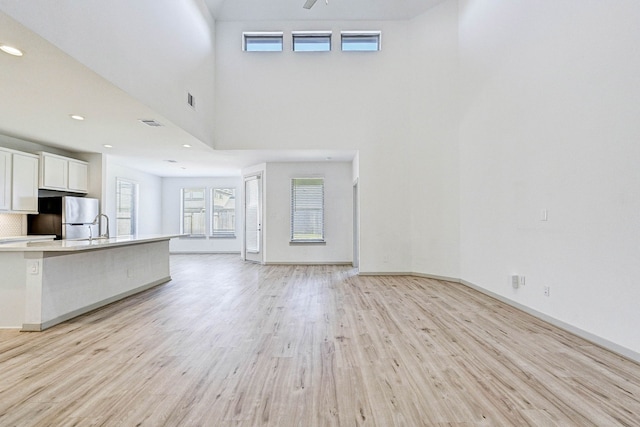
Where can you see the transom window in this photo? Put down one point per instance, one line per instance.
(311, 41)
(262, 42)
(362, 41)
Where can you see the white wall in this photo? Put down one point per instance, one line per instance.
(149, 197)
(434, 186)
(338, 220)
(156, 51)
(549, 120)
(171, 219)
(338, 100)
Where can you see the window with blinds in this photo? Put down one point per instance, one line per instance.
(307, 210)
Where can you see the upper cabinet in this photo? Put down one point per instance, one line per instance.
(18, 181)
(78, 180)
(63, 173)
(5, 180)
(24, 197)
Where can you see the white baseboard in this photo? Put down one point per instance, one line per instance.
(384, 273)
(592, 338)
(204, 253)
(308, 263)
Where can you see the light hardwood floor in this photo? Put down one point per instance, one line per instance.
(233, 344)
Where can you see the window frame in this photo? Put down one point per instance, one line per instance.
(203, 211)
(212, 229)
(133, 218)
(311, 35)
(257, 35)
(353, 34)
(294, 210)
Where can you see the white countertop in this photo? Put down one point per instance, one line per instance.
(82, 245)
(16, 239)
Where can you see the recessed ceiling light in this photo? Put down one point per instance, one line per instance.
(107, 146)
(11, 50)
(186, 145)
(76, 117)
(171, 161)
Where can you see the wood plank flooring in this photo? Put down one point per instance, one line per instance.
(228, 343)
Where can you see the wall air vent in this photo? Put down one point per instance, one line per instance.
(191, 101)
(151, 123)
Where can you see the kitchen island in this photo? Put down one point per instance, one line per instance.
(44, 283)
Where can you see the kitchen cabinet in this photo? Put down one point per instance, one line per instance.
(24, 194)
(5, 180)
(78, 172)
(63, 173)
(18, 181)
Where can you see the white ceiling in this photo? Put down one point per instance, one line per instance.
(323, 10)
(39, 91)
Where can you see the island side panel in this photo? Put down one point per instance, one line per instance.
(13, 276)
(74, 283)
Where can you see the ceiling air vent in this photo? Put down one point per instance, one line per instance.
(151, 123)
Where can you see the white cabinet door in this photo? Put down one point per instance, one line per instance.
(5, 180)
(54, 173)
(78, 176)
(25, 183)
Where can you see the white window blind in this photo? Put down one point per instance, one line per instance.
(307, 209)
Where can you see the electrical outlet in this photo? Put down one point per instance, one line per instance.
(515, 281)
(547, 291)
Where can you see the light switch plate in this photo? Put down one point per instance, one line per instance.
(34, 267)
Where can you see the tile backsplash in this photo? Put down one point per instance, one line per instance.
(13, 225)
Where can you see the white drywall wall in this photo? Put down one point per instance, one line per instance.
(434, 180)
(149, 197)
(338, 219)
(334, 100)
(549, 120)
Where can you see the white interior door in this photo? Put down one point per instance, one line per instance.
(356, 226)
(253, 218)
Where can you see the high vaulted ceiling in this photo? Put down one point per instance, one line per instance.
(40, 90)
(323, 10)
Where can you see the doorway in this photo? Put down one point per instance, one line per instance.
(356, 226)
(252, 248)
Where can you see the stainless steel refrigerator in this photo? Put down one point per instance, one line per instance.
(67, 217)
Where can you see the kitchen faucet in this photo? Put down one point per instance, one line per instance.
(97, 221)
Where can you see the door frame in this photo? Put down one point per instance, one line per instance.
(252, 256)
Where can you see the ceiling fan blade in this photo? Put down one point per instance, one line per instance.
(309, 4)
